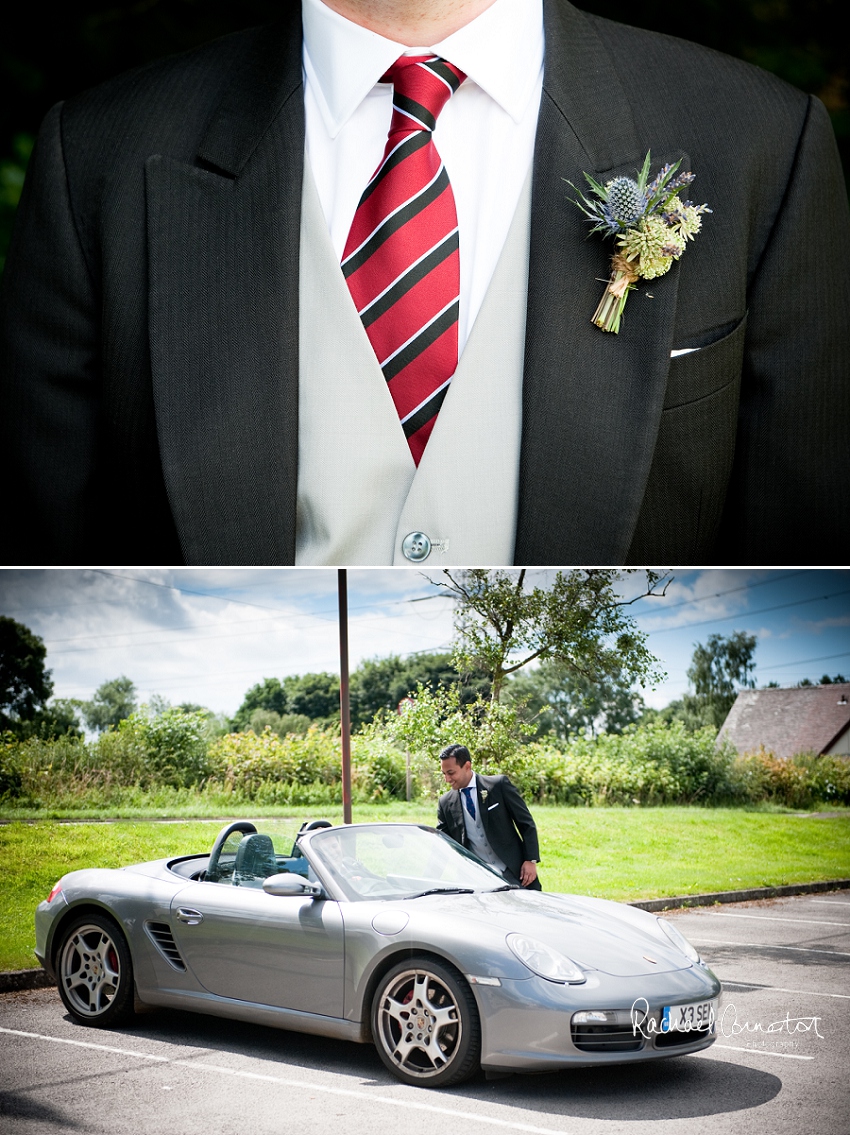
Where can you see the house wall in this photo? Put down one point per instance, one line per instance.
(841, 747)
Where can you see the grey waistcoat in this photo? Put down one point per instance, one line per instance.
(359, 492)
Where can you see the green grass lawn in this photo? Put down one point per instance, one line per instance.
(616, 853)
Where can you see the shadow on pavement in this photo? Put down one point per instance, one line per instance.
(684, 1088)
(19, 1106)
(687, 1087)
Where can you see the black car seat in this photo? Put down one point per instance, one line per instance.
(255, 861)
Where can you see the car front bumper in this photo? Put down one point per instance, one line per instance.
(527, 1024)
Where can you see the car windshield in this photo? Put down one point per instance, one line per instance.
(396, 861)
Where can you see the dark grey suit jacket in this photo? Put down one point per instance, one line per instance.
(149, 368)
(507, 822)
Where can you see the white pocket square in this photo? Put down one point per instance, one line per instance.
(490, 807)
(683, 351)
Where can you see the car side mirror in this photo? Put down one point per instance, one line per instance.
(287, 883)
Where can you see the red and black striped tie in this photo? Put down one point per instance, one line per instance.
(401, 258)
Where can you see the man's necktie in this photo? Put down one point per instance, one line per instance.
(470, 803)
(401, 259)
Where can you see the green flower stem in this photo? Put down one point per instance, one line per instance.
(610, 310)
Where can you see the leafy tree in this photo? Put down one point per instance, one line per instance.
(568, 704)
(383, 683)
(718, 671)
(280, 723)
(315, 696)
(113, 701)
(59, 718)
(268, 695)
(491, 730)
(501, 624)
(25, 684)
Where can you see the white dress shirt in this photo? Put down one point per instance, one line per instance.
(485, 134)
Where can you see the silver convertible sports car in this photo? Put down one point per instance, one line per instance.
(388, 933)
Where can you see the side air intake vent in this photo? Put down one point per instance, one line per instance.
(161, 936)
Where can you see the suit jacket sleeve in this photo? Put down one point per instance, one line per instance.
(522, 820)
(792, 449)
(444, 819)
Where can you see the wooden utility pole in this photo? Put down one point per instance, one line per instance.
(344, 705)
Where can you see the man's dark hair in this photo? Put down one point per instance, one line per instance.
(459, 752)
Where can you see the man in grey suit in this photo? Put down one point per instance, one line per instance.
(488, 815)
(167, 370)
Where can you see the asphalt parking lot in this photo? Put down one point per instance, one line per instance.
(780, 1063)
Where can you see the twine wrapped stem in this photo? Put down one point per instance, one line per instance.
(624, 275)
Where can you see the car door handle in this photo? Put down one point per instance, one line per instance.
(189, 916)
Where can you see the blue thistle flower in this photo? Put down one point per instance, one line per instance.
(625, 203)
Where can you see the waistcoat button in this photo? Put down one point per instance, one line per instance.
(416, 546)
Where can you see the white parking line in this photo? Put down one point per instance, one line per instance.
(301, 1083)
(773, 918)
(763, 1052)
(832, 902)
(88, 1044)
(770, 946)
(780, 989)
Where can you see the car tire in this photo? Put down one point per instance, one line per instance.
(425, 1024)
(94, 971)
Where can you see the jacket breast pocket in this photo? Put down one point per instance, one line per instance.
(701, 372)
(694, 450)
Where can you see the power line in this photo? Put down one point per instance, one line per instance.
(806, 661)
(731, 591)
(750, 614)
(325, 614)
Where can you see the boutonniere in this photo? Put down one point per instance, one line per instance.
(651, 225)
(483, 793)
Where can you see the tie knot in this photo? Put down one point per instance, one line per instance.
(422, 85)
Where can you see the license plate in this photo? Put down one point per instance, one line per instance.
(698, 1015)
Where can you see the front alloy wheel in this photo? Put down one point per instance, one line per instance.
(95, 971)
(425, 1024)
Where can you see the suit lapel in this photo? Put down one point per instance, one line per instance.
(591, 400)
(223, 256)
(482, 792)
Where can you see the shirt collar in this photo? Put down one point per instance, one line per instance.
(501, 51)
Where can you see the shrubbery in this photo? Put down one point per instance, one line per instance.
(145, 753)
(654, 764)
(803, 781)
(160, 761)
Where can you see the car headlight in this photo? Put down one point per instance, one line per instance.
(680, 941)
(544, 961)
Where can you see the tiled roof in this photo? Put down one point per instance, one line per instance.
(807, 719)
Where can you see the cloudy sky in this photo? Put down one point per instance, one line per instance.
(206, 635)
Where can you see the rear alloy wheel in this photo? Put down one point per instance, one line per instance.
(95, 972)
(425, 1024)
